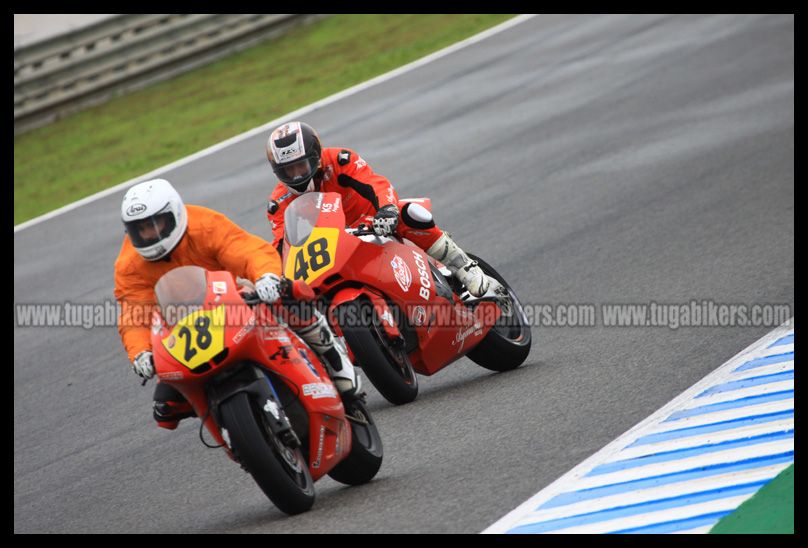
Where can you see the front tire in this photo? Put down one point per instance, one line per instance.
(388, 368)
(365, 459)
(507, 344)
(280, 472)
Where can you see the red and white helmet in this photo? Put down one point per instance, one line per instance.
(293, 151)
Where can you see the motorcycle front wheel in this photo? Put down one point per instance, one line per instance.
(387, 367)
(280, 471)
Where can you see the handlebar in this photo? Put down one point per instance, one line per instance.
(251, 299)
(297, 290)
(361, 230)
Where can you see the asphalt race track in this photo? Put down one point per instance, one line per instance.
(591, 159)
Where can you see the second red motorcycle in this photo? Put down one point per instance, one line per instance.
(400, 312)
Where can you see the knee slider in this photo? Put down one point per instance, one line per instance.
(417, 216)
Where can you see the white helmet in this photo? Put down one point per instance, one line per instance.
(155, 218)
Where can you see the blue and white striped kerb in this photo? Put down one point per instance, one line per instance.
(689, 464)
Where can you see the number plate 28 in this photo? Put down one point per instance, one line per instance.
(315, 257)
(197, 337)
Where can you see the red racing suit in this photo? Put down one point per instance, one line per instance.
(363, 192)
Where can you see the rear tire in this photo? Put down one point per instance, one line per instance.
(388, 369)
(365, 459)
(281, 473)
(507, 344)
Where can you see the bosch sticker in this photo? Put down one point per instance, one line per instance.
(423, 274)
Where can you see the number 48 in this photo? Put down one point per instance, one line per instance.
(318, 255)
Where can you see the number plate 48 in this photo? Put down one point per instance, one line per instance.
(315, 257)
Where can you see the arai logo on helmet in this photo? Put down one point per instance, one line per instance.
(136, 209)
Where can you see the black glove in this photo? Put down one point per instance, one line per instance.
(386, 220)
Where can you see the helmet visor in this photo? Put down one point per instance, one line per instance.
(297, 174)
(147, 232)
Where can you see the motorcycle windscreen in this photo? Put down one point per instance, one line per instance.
(301, 217)
(196, 334)
(185, 285)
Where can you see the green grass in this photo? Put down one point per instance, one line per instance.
(769, 511)
(134, 134)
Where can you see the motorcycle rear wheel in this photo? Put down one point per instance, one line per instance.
(507, 344)
(365, 459)
(281, 472)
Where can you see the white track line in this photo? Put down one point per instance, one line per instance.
(684, 464)
(759, 390)
(704, 439)
(700, 485)
(295, 114)
(780, 406)
(661, 516)
(576, 479)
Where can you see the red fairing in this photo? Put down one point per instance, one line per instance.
(253, 335)
(397, 279)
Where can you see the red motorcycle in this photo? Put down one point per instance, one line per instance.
(261, 392)
(400, 311)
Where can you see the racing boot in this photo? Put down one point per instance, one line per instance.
(464, 269)
(320, 339)
(170, 407)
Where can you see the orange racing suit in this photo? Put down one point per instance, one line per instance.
(211, 241)
(363, 192)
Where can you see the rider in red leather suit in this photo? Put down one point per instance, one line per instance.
(302, 165)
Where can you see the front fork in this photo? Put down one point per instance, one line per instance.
(258, 386)
(380, 306)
